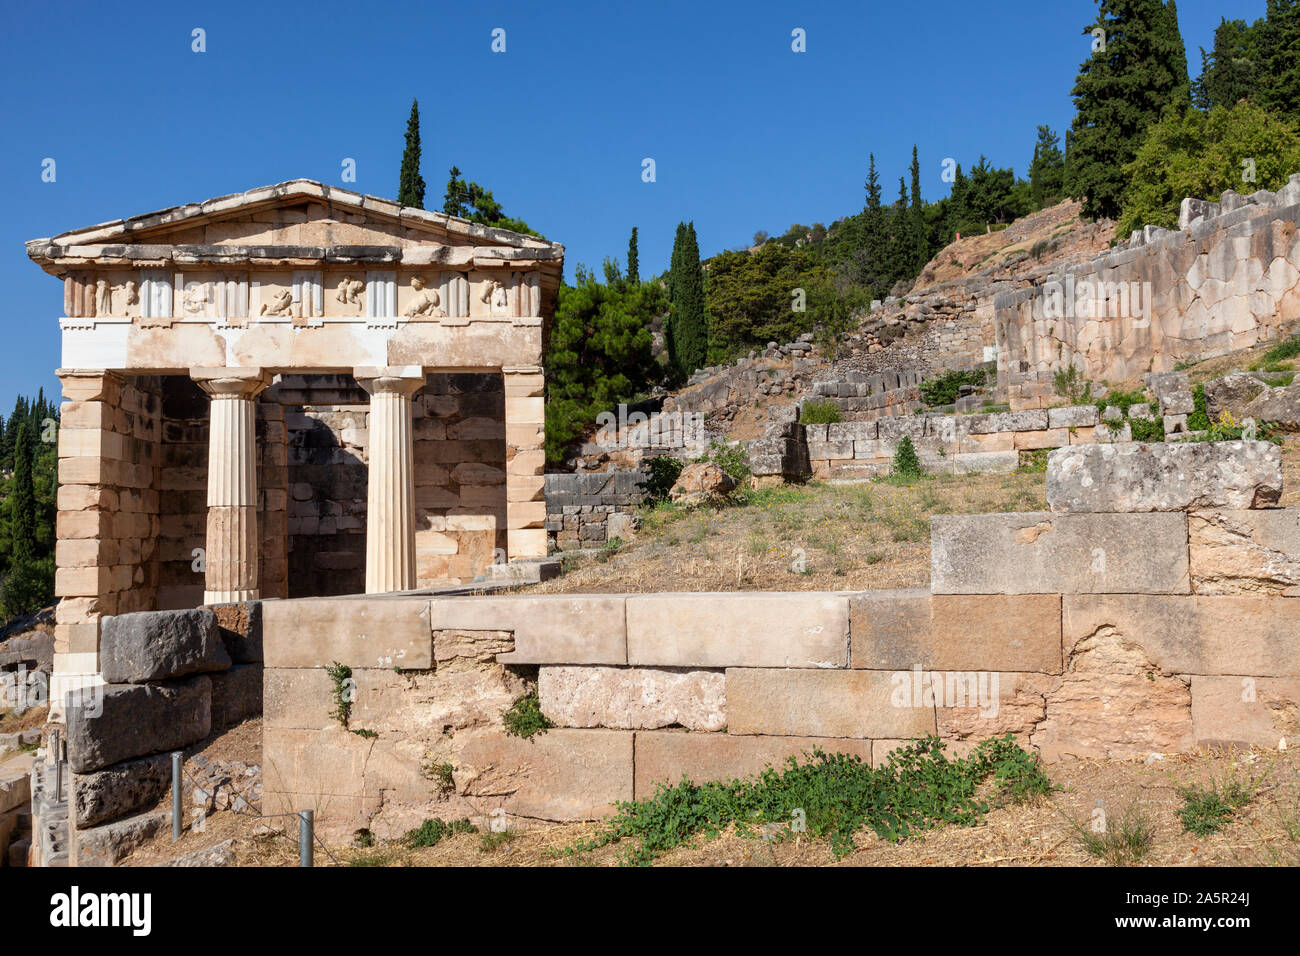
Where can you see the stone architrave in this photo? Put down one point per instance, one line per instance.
(390, 506)
(231, 558)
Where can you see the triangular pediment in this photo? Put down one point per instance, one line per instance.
(298, 220)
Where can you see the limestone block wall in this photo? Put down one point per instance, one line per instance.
(952, 444)
(1098, 634)
(1229, 279)
(172, 679)
(108, 523)
(581, 509)
(864, 397)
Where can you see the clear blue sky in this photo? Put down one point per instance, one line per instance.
(745, 133)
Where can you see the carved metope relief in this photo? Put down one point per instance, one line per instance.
(103, 297)
(195, 296)
(351, 292)
(130, 292)
(495, 297)
(427, 302)
(279, 303)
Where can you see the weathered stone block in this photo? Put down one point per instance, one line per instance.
(738, 629)
(120, 790)
(1243, 552)
(823, 703)
(297, 698)
(1042, 553)
(665, 757)
(133, 720)
(1164, 476)
(236, 695)
(240, 626)
(1245, 711)
(548, 629)
(633, 698)
(1074, 416)
(360, 632)
(157, 645)
(109, 844)
(899, 630)
(1206, 635)
(561, 775)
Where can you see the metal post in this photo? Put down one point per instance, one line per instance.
(176, 795)
(304, 837)
(58, 766)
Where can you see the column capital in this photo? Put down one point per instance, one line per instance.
(390, 379)
(231, 382)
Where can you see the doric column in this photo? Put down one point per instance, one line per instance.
(525, 462)
(390, 484)
(230, 559)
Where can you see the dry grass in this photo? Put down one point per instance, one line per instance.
(799, 538)
(1044, 833)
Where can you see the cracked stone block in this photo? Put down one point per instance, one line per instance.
(1245, 552)
(157, 645)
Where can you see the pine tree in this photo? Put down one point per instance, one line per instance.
(1121, 90)
(875, 235)
(1279, 57)
(689, 341)
(410, 188)
(633, 262)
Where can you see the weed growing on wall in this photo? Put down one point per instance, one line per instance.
(820, 413)
(1199, 420)
(525, 717)
(341, 675)
(832, 796)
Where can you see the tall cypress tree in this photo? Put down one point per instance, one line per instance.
(875, 234)
(919, 252)
(410, 188)
(22, 503)
(1120, 92)
(1047, 170)
(633, 261)
(689, 342)
(1229, 71)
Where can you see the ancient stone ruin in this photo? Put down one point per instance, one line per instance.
(292, 391)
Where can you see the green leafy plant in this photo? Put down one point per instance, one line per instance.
(432, 832)
(730, 458)
(525, 717)
(1147, 429)
(1070, 385)
(944, 389)
(907, 463)
(1199, 419)
(367, 734)
(832, 796)
(441, 774)
(661, 473)
(824, 412)
(341, 676)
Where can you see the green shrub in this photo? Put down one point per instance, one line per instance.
(661, 473)
(820, 413)
(525, 717)
(944, 389)
(28, 587)
(907, 463)
(1147, 430)
(1283, 351)
(433, 832)
(1070, 385)
(341, 675)
(730, 458)
(1199, 419)
(833, 796)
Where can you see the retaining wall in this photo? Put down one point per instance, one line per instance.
(1089, 634)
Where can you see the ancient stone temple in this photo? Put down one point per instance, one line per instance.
(293, 391)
